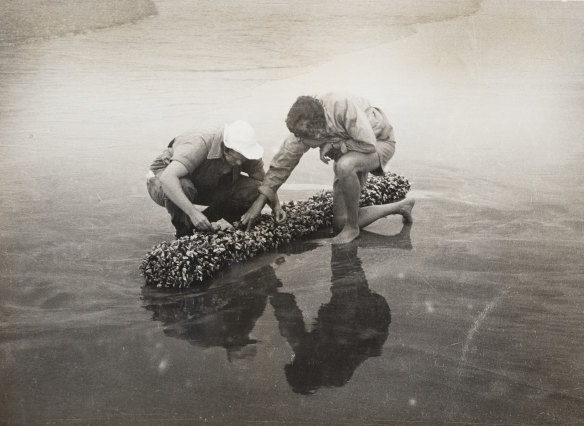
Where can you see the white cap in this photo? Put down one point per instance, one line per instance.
(241, 137)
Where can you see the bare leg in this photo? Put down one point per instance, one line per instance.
(350, 192)
(339, 207)
(347, 189)
(351, 172)
(368, 215)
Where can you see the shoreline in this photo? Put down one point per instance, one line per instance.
(41, 20)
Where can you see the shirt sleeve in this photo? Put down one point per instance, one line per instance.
(281, 166)
(190, 151)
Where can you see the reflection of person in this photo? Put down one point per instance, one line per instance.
(401, 240)
(350, 328)
(357, 136)
(223, 317)
(205, 169)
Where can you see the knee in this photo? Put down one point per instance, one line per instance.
(345, 167)
(155, 190)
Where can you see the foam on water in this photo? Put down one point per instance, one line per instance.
(32, 20)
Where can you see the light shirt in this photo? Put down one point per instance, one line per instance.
(202, 156)
(352, 124)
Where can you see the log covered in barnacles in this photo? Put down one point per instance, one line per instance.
(188, 261)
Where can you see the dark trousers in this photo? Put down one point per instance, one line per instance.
(228, 200)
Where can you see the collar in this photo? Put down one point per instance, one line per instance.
(216, 151)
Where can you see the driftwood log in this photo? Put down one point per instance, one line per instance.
(189, 261)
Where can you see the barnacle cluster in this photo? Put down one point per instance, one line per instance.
(188, 261)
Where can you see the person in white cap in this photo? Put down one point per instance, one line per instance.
(206, 169)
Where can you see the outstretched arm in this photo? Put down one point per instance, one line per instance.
(285, 160)
(256, 209)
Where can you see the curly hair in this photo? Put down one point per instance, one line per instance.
(306, 108)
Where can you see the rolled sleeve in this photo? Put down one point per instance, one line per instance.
(281, 166)
(190, 151)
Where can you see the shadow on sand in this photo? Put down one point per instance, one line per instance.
(351, 327)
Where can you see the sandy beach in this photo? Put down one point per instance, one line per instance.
(471, 315)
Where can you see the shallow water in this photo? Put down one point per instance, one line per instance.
(471, 314)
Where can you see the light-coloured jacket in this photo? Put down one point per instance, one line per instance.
(352, 124)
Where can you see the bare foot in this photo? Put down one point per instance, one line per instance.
(406, 210)
(346, 235)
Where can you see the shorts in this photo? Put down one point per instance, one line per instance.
(385, 146)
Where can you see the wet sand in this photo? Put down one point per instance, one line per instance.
(470, 315)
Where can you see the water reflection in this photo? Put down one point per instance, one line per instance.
(350, 328)
(401, 240)
(221, 317)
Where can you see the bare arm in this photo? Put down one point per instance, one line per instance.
(254, 211)
(256, 208)
(170, 181)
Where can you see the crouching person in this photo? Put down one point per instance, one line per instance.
(207, 169)
(357, 137)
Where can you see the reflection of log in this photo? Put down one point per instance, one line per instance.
(223, 316)
(188, 261)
